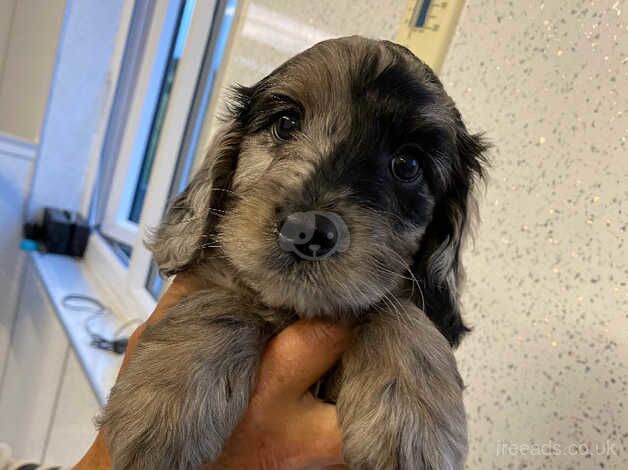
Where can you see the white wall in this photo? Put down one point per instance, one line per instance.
(29, 33)
(6, 14)
(75, 111)
(16, 166)
(79, 103)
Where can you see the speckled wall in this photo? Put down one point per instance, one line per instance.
(547, 363)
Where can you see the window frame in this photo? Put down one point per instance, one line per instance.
(153, 61)
(129, 278)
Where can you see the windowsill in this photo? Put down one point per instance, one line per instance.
(125, 289)
(60, 276)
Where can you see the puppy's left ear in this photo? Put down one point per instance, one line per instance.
(438, 267)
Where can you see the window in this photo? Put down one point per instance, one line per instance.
(198, 114)
(156, 129)
(182, 28)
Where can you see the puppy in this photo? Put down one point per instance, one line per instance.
(340, 187)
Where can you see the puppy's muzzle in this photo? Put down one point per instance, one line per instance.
(313, 235)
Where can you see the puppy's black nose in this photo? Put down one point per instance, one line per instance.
(313, 234)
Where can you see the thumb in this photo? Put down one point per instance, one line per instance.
(299, 355)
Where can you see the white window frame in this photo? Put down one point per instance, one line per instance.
(128, 282)
(139, 122)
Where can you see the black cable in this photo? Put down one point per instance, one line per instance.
(85, 303)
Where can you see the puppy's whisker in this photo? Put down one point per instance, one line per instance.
(358, 294)
(210, 210)
(392, 305)
(190, 208)
(384, 268)
(347, 286)
(191, 219)
(194, 235)
(232, 193)
(210, 245)
(415, 282)
(404, 266)
(398, 307)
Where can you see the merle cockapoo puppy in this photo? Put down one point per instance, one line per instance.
(340, 187)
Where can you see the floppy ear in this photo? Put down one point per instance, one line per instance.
(438, 266)
(188, 226)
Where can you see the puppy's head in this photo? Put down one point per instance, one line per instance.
(340, 181)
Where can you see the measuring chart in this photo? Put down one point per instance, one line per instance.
(427, 28)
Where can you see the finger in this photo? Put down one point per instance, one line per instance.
(320, 437)
(299, 355)
(97, 457)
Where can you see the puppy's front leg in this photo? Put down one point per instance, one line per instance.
(187, 385)
(400, 403)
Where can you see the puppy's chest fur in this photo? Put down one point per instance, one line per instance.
(219, 276)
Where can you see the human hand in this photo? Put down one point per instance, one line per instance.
(285, 427)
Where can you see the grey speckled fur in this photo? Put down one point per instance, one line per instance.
(359, 103)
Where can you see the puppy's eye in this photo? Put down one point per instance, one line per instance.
(285, 127)
(405, 167)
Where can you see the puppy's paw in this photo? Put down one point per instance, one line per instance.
(389, 427)
(400, 405)
(184, 389)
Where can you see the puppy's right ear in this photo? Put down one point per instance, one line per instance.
(190, 221)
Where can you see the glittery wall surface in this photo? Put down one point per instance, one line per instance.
(547, 363)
